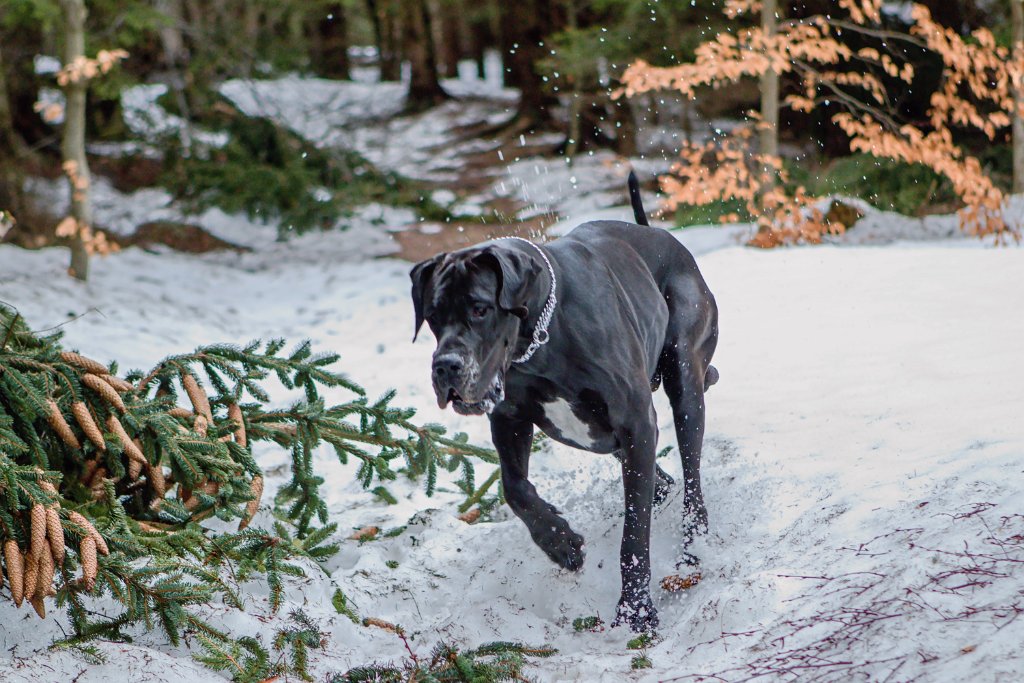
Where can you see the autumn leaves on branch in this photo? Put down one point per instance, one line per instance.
(976, 92)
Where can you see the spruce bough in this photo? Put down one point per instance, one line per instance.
(105, 480)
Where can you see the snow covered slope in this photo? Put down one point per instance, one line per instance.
(864, 470)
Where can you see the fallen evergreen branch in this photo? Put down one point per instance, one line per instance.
(105, 481)
(498, 661)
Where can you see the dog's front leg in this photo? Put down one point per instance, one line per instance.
(638, 478)
(512, 438)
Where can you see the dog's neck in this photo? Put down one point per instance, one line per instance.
(540, 298)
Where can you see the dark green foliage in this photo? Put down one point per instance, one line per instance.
(580, 624)
(341, 606)
(640, 642)
(270, 173)
(909, 189)
(640, 662)
(246, 660)
(499, 661)
(297, 640)
(689, 215)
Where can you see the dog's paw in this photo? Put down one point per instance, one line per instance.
(638, 614)
(695, 523)
(565, 548)
(687, 561)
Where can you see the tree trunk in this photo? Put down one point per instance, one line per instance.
(73, 144)
(424, 87)
(770, 87)
(449, 48)
(523, 25)
(171, 37)
(330, 58)
(176, 58)
(625, 126)
(12, 152)
(483, 28)
(10, 142)
(385, 23)
(250, 34)
(1018, 116)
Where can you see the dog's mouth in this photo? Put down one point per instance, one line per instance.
(494, 395)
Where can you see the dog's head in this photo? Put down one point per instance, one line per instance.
(474, 301)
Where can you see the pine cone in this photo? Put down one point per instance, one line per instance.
(133, 452)
(200, 402)
(90, 567)
(676, 583)
(15, 570)
(256, 488)
(151, 528)
(89, 468)
(38, 526)
(155, 473)
(180, 412)
(55, 534)
(80, 361)
(44, 581)
(90, 531)
(96, 485)
(191, 501)
(235, 414)
(31, 565)
(200, 424)
(380, 623)
(39, 606)
(367, 533)
(88, 425)
(118, 383)
(60, 425)
(134, 470)
(108, 392)
(470, 516)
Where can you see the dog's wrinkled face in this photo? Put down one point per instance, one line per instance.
(474, 302)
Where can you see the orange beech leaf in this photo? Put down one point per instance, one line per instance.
(976, 92)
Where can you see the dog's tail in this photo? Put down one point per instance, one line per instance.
(635, 200)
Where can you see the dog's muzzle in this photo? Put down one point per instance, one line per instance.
(454, 379)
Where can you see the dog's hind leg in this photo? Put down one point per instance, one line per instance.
(512, 439)
(685, 389)
(686, 373)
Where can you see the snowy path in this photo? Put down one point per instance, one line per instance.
(866, 393)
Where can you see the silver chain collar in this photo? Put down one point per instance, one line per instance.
(540, 333)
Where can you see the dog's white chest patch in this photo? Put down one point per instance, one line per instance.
(559, 414)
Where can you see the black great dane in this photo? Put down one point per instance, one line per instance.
(573, 337)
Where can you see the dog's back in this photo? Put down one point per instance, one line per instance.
(692, 308)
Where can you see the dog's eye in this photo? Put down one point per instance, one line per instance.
(478, 311)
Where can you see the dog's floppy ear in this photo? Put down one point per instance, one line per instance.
(420, 275)
(517, 273)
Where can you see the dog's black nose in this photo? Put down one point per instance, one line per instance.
(447, 367)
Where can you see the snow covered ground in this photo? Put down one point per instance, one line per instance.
(863, 468)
